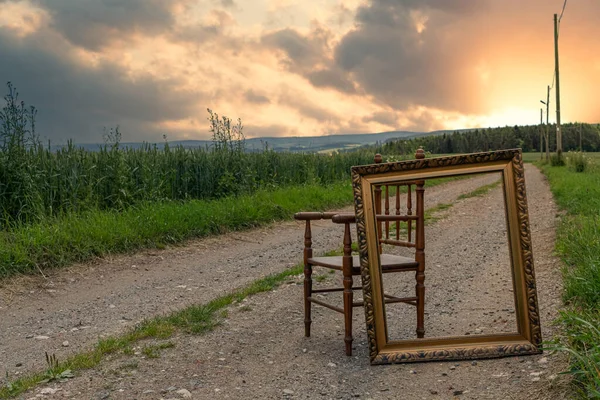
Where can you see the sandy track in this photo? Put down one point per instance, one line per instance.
(262, 352)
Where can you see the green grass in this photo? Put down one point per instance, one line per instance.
(61, 241)
(578, 244)
(153, 350)
(480, 191)
(530, 157)
(76, 238)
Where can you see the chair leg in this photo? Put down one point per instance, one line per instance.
(348, 299)
(420, 289)
(307, 294)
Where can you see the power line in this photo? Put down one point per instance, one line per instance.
(563, 10)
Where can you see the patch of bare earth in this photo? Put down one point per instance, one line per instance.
(260, 350)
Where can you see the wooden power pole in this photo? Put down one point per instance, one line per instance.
(541, 133)
(547, 115)
(558, 131)
(547, 103)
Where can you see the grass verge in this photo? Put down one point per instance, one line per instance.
(80, 237)
(578, 244)
(480, 191)
(77, 238)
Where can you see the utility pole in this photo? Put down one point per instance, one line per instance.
(541, 134)
(580, 133)
(547, 115)
(547, 103)
(558, 132)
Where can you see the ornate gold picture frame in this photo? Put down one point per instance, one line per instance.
(527, 339)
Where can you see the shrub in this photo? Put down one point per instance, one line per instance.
(577, 161)
(557, 161)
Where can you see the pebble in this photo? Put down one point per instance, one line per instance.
(65, 343)
(184, 393)
(457, 392)
(103, 395)
(452, 368)
(48, 391)
(543, 360)
(288, 392)
(332, 365)
(41, 337)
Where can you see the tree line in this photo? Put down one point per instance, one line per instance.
(527, 138)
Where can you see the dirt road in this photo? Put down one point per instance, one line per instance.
(259, 351)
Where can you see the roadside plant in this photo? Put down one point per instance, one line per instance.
(557, 161)
(577, 161)
(54, 371)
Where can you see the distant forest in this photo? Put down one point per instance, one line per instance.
(487, 139)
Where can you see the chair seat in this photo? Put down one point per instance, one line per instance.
(389, 262)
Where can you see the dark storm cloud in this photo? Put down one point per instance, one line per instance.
(386, 57)
(310, 56)
(335, 79)
(93, 24)
(301, 51)
(401, 67)
(77, 102)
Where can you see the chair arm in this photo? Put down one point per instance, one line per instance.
(308, 216)
(312, 216)
(344, 218)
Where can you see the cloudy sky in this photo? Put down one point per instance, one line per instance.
(295, 68)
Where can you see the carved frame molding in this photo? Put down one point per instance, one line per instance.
(528, 339)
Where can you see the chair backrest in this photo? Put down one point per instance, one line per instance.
(400, 212)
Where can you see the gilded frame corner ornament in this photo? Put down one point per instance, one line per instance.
(528, 338)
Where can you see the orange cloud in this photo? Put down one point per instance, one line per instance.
(308, 68)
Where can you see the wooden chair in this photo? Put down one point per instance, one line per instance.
(389, 233)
